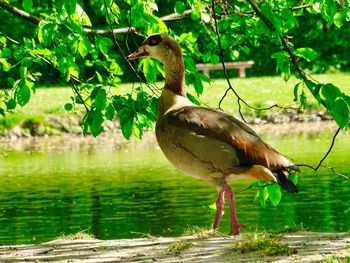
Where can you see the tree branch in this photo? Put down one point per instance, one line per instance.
(176, 16)
(294, 8)
(230, 88)
(304, 78)
(19, 13)
(285, 44)
(326, 155)
(117, 31)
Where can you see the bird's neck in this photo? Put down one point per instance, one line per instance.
(174, 74)
(170, 101)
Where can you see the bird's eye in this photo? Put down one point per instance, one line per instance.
(153, 41)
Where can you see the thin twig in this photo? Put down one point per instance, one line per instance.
(152, 88)
(326, 154)
(76, 91)
(230, 88)
(294, 8)
(285, 44)
(302, 75)
(255, 186)
(223, 64)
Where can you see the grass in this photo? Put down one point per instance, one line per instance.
(77, 236)
(201, 232)
(144, 235)
(257, 91)
(263, 243)
(265, 91)
(177, 247)
(336, 260)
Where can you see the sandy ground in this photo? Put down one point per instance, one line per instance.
(306, 246)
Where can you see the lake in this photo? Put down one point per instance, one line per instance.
(122, 192)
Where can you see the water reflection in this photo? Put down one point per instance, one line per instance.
(119, 193)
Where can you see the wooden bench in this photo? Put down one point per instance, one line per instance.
(241, 66)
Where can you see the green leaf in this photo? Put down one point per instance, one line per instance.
(6, 52)
(99, 77)
(339, 18)
(68, 106)
(2, 112)
(84, 46)
(27, 5)
(340, 112)
(314, 88)
(303, 99)
(109, 112)
(282, 63)
(101, 99)
(149, 69)
(70, 6)
(306, 53)
(266, 9)
(193, 99)
(3, 40)
(22, 94)
(11, 104)
(214, 59)
(295, 92)
(86, 121)
(275, 194)
(263, 195)
(195, 15)
(293, 176)
(198, 85)
(347, 99)
(102, 43)
(180, 7)
(82, 17)
(126, 118)
(328, 10)
(6, 66)
(96, 127)
(330, 92)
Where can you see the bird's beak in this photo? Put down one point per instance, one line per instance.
(140, 53)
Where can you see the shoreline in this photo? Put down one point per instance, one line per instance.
(114, 137)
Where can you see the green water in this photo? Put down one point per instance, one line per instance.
(59, 189)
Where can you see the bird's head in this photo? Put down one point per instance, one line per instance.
(159, 46)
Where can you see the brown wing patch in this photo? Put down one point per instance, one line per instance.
(250, 149)
(257, 152)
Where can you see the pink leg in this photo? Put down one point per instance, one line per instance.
(219, 209)
(235, 226)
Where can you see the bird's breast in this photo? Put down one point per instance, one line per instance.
(196, 155)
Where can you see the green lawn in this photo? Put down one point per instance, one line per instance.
(264, 91)
(257, 91)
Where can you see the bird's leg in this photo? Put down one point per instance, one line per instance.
(235, 226)
(219, 208)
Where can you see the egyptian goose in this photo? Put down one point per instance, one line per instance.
(207, 143)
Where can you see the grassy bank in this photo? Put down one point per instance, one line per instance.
(45, 113)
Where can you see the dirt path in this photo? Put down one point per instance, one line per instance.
(301, 247)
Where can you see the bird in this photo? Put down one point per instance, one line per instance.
(207, 143)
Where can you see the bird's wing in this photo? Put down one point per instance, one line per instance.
(250, 149)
